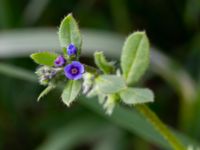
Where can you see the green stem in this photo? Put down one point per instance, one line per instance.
(160, 127)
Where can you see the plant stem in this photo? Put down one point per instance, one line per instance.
(160, 127)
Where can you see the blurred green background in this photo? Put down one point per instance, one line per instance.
(26, 26)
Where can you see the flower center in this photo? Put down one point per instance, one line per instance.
(74, 71)
(58, 61)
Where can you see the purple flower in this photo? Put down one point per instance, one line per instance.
(60, 61)
(71, 49)
(74, 70)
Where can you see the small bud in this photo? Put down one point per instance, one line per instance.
(60, 61)
(71, 50)
(46, 73)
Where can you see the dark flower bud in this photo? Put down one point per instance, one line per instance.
(60, 61)
(71, 50)
(46, 73)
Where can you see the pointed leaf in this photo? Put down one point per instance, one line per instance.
(135, 57)
(108, 84)
(71, 91)
(136, 96)
(69, 33)
(46, 91)
(44, 58)
(102, 63)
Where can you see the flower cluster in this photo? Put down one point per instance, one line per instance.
(73, 70)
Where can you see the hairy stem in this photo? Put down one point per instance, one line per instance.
(160, 127)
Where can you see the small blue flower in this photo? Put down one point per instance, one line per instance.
(60, 61)
(74, 71)
(71, 49)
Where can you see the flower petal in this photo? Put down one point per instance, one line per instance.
(60, 61)
(78, 65)
(78, 76)
(69, 73)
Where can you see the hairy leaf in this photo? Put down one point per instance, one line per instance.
(69, 33)
(44, 58)
(46, 91)
(71, 91)
(109, 84)
(135, 57)
(102, 63)
(136, 96)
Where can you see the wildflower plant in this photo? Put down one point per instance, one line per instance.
(109, 83)
(112, 85)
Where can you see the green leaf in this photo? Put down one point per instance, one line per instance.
(69, 33)
(71, 91)
(46, 91)
(44, 58)
(135, 57)
(102, 63)
(108, 84)
(136, 96)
